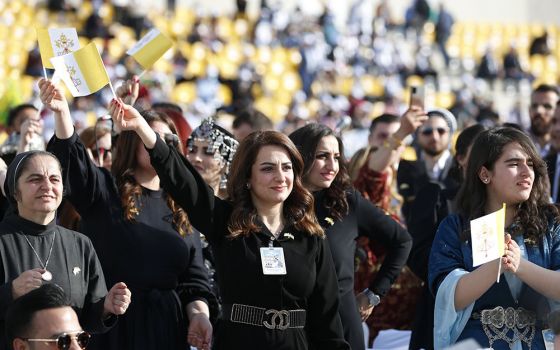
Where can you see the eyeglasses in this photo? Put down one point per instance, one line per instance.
(64, 341)
(96, 153)
(429, 131)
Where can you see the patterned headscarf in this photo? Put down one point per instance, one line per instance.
(221, 144)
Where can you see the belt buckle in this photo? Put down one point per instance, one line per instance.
(280, 319)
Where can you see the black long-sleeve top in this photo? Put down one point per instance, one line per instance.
(363, 219)
(310, 282)
(73, 264)
(158, 265)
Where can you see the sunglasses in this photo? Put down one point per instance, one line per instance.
(100, 152)
(429, 131)
(64, 341)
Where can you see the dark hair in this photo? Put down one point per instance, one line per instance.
(546, 88)
(306, 140)
(13, 113)
(462, 144)
(17, 167)
(20, 313)
(383, 118)
(124, 163)
(298, 207)
(533, 213)
(255, 118)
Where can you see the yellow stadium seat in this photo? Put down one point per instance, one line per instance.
(184, 93)
(224, 94)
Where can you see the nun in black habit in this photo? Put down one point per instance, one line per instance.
(34, 250)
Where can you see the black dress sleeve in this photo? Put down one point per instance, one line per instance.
(193, 282)
(84, 182)
(6, 299)
(375, 224)
(185, 185)
(91, 316)
(323, 320)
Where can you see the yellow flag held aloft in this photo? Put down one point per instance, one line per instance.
(150, 48)
(487, 237)
(82, 71)
(56, 42)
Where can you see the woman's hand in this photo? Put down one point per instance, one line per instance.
(364, 307)
(129, 90)
(26, 282)
(200, 331)
(117, 300)
(52, 96)
(512, 257)
(125, 116)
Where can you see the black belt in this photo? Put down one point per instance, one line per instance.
(261, 317)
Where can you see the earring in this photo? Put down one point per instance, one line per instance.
(248, 185)
(485, 181)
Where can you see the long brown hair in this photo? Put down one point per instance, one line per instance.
(298, 207)
(306, 139)
(124, 163)
(532, 214)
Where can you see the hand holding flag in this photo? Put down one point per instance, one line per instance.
(52, 96)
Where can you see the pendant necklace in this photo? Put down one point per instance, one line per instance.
(46, 276)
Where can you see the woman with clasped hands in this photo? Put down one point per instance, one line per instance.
(34, 250)
(278, 283)
(503, 167)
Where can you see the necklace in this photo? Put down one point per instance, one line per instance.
(46, 276)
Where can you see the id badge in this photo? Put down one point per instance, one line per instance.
(273, 262)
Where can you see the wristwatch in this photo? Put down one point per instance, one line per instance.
(373, 298)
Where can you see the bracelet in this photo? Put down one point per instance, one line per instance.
(396, 143)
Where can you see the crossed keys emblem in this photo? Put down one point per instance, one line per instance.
(283, 316)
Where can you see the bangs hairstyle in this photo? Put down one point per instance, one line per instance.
(125, 161)
(532, 214)
(307, 139)
(298, 207)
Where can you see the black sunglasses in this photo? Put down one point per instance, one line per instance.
(429, 131)
(64, 341)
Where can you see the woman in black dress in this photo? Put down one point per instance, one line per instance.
(346, 215)
(276, 276)
(141, 235)
(34, 250)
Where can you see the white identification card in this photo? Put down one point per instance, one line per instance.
(273, 262)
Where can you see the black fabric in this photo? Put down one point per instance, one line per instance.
(73, 264)
(431, 205)
(550, 161)
(363, 219)
(310, 279)
(163, 270)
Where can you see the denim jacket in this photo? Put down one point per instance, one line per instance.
(450, 254)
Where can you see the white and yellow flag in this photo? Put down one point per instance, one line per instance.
(56, 42)
(82, 71)
(150, 48)
(487, 237)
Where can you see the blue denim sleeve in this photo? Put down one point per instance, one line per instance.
(446, 254)
(555, 248)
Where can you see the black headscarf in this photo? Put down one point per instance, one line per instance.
(13, 173)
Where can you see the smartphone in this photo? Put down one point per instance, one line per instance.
(417, 96)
